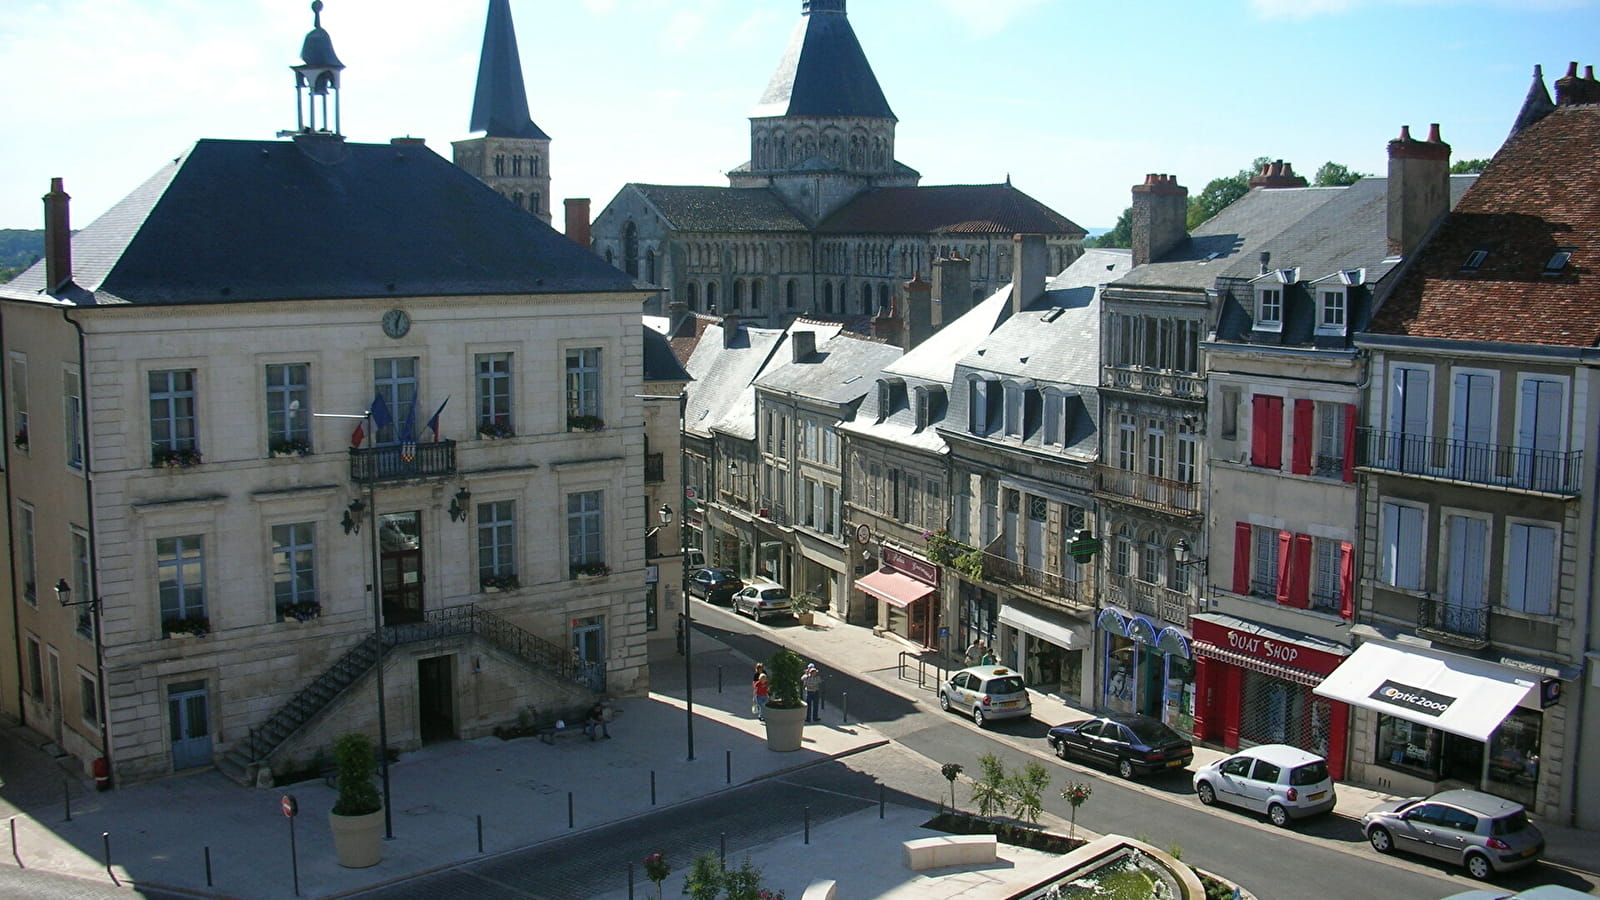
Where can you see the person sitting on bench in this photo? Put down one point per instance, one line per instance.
(596, 720)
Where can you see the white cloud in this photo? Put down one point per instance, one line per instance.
(991, 17)
(1305, 9)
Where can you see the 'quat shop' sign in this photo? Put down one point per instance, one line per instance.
(1268, 648)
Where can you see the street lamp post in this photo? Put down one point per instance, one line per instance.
(665, 513)
(64, 597)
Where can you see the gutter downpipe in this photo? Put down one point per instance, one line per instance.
(98, 611)
(11, 538)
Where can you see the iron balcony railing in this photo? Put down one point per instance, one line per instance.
(1149, 599)
(1498, 465)
(400, 462)
(999, 570)
(773, 511)
(1151, 381)
(1459, 623)
(1182, 497)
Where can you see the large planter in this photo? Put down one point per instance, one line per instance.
(785, 728)
(357, 840)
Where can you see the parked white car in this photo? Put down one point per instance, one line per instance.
(1284, 782)
(986, 692)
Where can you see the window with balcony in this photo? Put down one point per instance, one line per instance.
(1151, 559)
(497, 544)
(181, 583)
(1336, 429)
(1122, 552)
(288, 402)
(1401, 557)
(294, 571)
(1327, 582)
(1410, 417)
(1127, 443)
(1531, 568)
(1185, 460)
(1256, 560)
(172, 417)
(1472, 424)
(395, 380)
(1541, 433)
(1155, 451)
(583, 389)
(492, 381)
(1466, 565)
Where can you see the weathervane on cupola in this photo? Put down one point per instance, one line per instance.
(314, 79)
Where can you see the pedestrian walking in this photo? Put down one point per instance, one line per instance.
(758, 704)
(974, 653)
(811, 681)
(988, 657)
(680, 634)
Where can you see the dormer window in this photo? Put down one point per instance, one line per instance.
(1269, 309)
(1558, 262)
(983, 404)
(928, 400)
(1475, 260)
(1056, 418)
(1014, 405)
(1332, 310)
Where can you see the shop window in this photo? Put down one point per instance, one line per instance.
(1514, 756)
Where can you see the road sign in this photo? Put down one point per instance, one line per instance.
(290, 807)
(690, 493)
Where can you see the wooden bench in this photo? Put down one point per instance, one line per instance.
(950, 850)
(820, 890)
(550, 732)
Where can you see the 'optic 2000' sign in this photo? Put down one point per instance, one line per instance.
(1426, 702)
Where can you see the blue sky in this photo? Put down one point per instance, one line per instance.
(1075, 101)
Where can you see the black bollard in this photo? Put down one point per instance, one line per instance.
(66, 798)
(844, 701)
(652, 787)
(727, 756)
(880, 801)
(719, 679)
(480, 834)
(722, 843)
(569, 809)
(105, 843)
(14, 855)
(808, 823)
(208, 867)
(630, 881)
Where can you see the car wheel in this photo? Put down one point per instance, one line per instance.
(1278, 815)
(1206, 793)
(1380, 839)
(977, 715)
(1125, 768)
(1478, 866)
(944, 701)
(1061, 750)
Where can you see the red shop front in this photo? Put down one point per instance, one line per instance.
(1253, 686)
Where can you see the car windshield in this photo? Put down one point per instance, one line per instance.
(1510, 824)
(1310, 773)
(1010, 684)
(1151, 732)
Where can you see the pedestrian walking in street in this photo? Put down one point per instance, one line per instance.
(811, 681)
(974, 653)
(761, 688)
(988, 657)
(680, 634)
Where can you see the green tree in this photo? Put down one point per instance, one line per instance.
(1219, 192)
(1468, 166)
(1334, 174)
(1119, 236)
(951, 771)
(1027, 791)
(991, 792)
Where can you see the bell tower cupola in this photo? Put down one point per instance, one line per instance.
(316, 80)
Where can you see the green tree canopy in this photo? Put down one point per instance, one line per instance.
(1468, 166)
(1119, 236)
(1334, 174)
(1219, 192)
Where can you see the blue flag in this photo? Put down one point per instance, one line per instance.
(408, 429)
(379, 412)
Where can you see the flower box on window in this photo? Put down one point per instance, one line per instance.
(20, 439)
(494, 584)
(169, 458)
(187, 627)
(495, 431)
(590, 570)
(585, 423)
(299, 612)
(290, 447)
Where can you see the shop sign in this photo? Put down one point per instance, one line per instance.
(1549, 692)
(1271, 649)
(920, 569)
(1413, 698)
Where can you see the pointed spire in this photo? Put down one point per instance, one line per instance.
(1537, 105)
(824, 72)
(500, 107)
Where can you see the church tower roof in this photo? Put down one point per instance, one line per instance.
(824, 72)
(500, 106)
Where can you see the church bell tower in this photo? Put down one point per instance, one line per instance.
(513, 155)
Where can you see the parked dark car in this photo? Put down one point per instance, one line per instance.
(715, 585)
(1132, 745)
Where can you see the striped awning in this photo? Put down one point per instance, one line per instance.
(1245, 661)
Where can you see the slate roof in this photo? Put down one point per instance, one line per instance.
(1540, 193)
(948, 209)
(824, 71)
(318, 218)
(659, 362)
(722, 374)
(704, 208)
(500, 105)
(844, 367)
(1235, 236)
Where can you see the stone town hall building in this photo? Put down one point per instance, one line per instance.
(822, 220)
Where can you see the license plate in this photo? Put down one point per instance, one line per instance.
(1174, 763)
(1008, 704)
(1317, 796)
(1530, 851)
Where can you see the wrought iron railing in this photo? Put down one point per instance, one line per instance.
(1467, 624)
(402, 461)
(1182, 497)
(773, 511)
(1149, 599)
(1149, 381)
(1500, 465)
(998, 569)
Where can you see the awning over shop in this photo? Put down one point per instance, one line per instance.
(893, 588)
(1246, 661)
(1055, 627)
(1463, 696)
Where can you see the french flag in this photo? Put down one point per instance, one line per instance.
(433, 423)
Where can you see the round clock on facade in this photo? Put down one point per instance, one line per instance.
(396, 323)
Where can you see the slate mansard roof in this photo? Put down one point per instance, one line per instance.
(824, 72)
(707, 208)
(1540, 194)
(236, 221)
(949, 209)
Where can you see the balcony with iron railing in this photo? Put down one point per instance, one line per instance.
(1495, 465)
(1161, 382)
(1148, 599)
(1164, 494)
(773, 511)
(1460, 624)
(401, 462)
(1000, 570)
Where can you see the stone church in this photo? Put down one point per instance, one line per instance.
(822, 220)
(513, 155)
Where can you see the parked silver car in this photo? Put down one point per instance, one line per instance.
(1284, 782)
(1484, 833)
(761, 600)
(986, 692)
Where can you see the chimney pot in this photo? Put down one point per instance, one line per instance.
(1266, 259)
(730, 330)
(578, 221)
(1405, 132)
(57, 237)
(1572, 69)
(1433, 134)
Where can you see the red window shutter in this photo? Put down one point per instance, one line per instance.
(1260, 414)
(1300, 464)
(1347, 581)
(1349, 442)
(1300, 572)
(1241, 558)
(1284, 552)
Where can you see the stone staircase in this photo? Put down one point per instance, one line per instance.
(301, 710)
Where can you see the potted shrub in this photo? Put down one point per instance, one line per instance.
(494, 584)
(804, 607)
(290, 447)
(186, 626)
(303, 611)
(590, 570)
(786, 706)
(174, 458)
(496, 430)
(356, 819)
(585, 423)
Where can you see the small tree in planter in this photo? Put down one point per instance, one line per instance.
(1026, 790)
(785, 701)
(803, 606)
(657, 870)
(951, 771)
(991, 791)
(356, 818)
(1076, 793)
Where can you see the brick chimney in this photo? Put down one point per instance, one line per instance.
(1572, 90)
(952, 288)
(1277, 174)
(730, 330)
(1160, 217)
(1030, 264)
(919, 312)
(1419, 188)
(886, 326)
(578, 221)
(57, 237)
(804, 344)
(677, 314)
